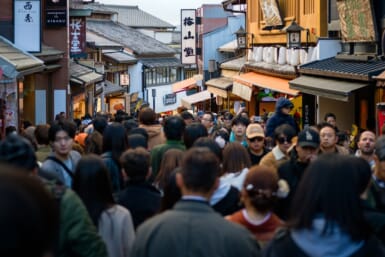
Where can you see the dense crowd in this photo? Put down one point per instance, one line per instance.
(191, 185)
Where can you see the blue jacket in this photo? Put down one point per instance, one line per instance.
(280, 118)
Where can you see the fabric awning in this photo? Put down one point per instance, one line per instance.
(325, 87)
(243, 91)
(183, 85)
(195, 98)
(229, 47)
(217, 91)
(264, 81)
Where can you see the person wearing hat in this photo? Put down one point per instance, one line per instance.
(281, 116)
(301, 155)
(256, 142)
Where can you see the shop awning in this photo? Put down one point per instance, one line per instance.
(219, 86)
(325, 87)
(242, 90)
(229, 47)
(183, 85)
(264, 81)
(195, 98)
(87, 78)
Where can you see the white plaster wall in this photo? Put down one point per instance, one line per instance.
(161, 91)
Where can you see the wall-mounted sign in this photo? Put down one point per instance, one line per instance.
(188, 51)
(27, 32)
(56, 18)
(271, 15)
(77, 36)
(169, 99)
(124, 79)
(357, 20)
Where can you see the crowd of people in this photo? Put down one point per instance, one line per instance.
(191, 185)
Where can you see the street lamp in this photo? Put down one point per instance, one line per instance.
(242, 38)
(153, 93)
(293, 36)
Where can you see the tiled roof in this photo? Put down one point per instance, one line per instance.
(161, 62)
(94, 40)
(132, 16)
(136, 41)
(333, 67)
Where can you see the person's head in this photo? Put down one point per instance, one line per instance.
(362, 174)
(211, 144)
(129, 125)
(41, 134)
(199, 173)
(328, 136)
(171, 192)
(193, 132)
(137, 140)
(136, 164)
(18, 151)
(379, 158)
(260, 188)
(171, 159)
(343, 139)
(115, 140)
(187, 117)
(174, 127)
(92, 183)
(283, 105)
(366, 143)
(283, 136)
(329, 188)
(227, 118)
(307, 145)
(147, 116)
(29, 220)
(239, 125)
(221, 137)
(255, 136)
(331, 119)
(61, 135)
(208, 120)
(100, 123)
(235, 158)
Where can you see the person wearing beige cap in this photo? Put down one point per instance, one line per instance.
(256, 142)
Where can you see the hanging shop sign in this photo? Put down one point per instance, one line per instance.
(188, 21)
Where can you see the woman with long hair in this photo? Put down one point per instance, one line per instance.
(327, 218)
(92, 183)
(172, 159)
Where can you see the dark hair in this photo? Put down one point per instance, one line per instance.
(240, 120)
(140, 131)
(61, 125)
(171, 159)
(92, 183)
(329, 187)
(186, 115)
(342, 137)
(29, 221)
(193, 132)
(228, 116)
(136, 163)
(200, 169)
(100, 123)
(329, 114)
(174, 127)
(18, 151)
(362, 174)
(284, 129)
(211, 116)
(147, 116)
(9, 130)
(328, 125)
(129, 125)
(211, 145)
(235, 157)
(171, 192)
(380, 148)
(115, 140)
(137, 140)
(261, 186)
(41, 134)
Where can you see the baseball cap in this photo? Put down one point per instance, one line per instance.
(308, 137)
(254, 130)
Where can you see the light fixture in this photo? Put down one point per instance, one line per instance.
(242, 38)
(293, 36)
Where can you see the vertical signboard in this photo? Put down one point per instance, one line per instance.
(188, 17)
(77, 36)
(27, 33)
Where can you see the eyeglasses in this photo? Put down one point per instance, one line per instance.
(283, 140)
(259, 139)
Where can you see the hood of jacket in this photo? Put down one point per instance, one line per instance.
(335, 243)
(281, 102)
(152, 130)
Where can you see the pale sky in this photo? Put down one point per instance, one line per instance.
(167, 10)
